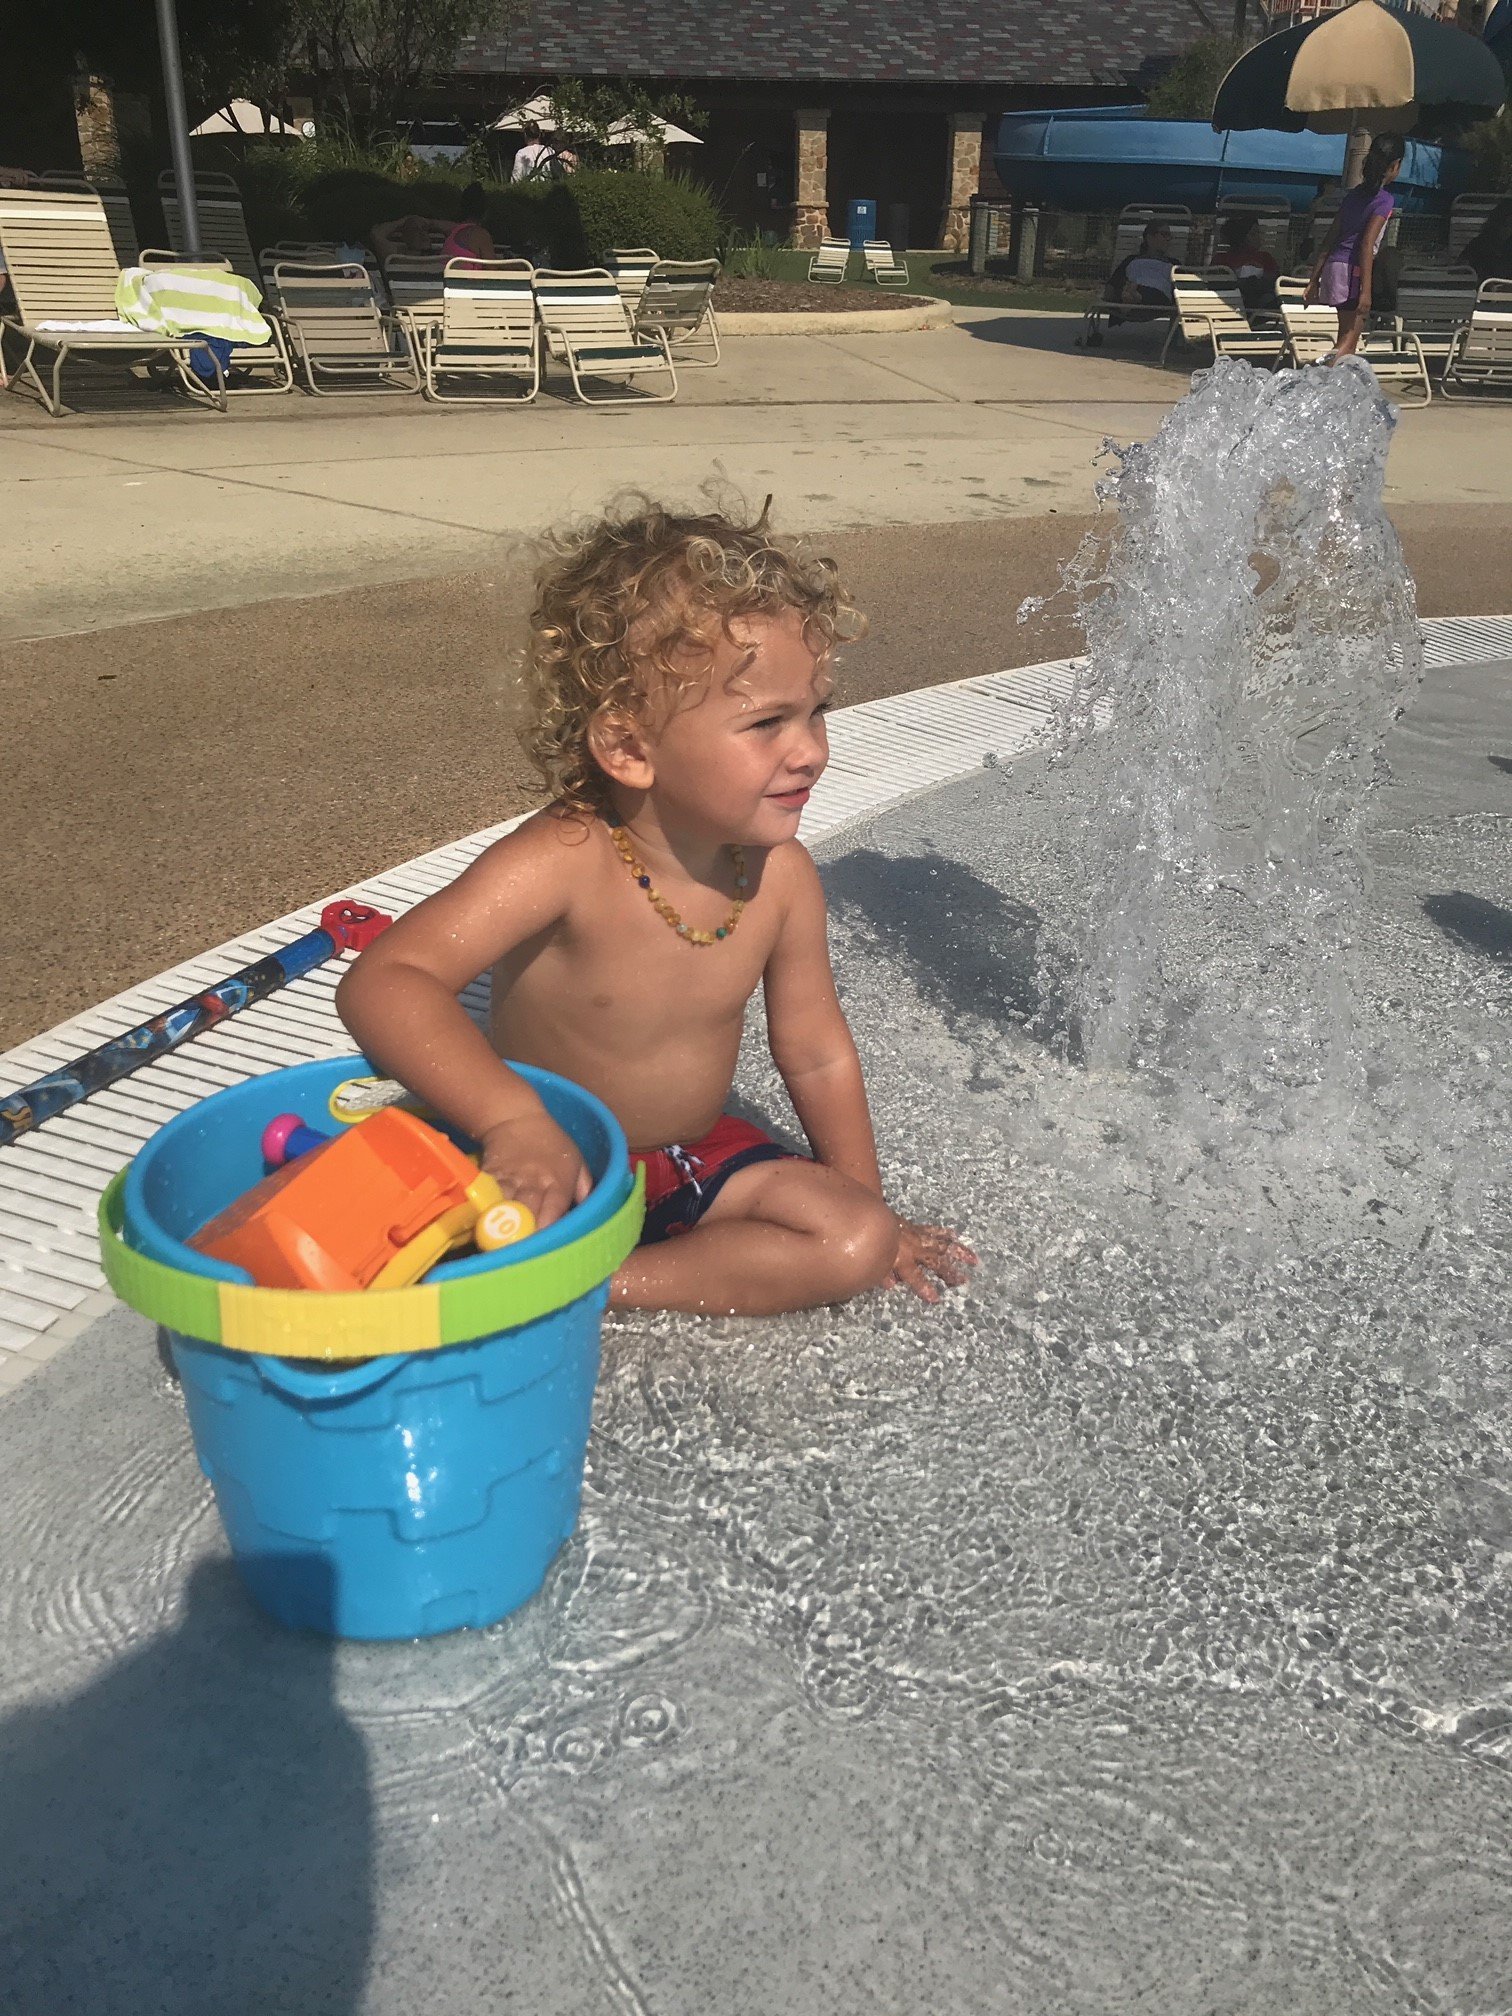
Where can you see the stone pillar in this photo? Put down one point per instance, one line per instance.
(963, 176)
(810, 218)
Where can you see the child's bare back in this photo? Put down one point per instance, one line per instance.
(682, 672)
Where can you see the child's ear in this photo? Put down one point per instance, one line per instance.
(617, 743)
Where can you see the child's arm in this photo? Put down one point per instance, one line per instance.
(813, 1048)
(810, 1039)
(400, 1002)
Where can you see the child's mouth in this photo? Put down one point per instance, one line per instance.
(791, 801)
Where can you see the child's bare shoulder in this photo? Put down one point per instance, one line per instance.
(792, 876)
(551, 844)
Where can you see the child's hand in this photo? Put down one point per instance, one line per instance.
(929, 1249)
(537, 1165)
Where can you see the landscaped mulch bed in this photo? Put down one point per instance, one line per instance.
(786, 297)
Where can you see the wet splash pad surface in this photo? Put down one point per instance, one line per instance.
(1129, 1632)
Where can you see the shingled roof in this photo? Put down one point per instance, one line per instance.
(1062, 42)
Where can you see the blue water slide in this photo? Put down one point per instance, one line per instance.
(1100, 157)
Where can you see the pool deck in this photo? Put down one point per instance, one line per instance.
(114, 516)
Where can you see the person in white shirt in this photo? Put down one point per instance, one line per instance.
(532, 159)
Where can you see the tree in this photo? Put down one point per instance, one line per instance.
(227, 45)
(372, 55)
(1189, 87)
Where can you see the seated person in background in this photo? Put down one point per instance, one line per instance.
(1490, 250)
(1252, 266)
(1143, 280)
(532, 157)
(415, 236)
(471, 238)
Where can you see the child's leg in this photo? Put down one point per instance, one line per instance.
(780, 1235)
(1351, 327)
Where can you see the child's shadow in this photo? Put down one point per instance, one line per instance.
(192, 1832)
(967, 947)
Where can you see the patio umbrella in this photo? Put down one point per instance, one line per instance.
(1366, 68)
(241, 116)
(541, 112)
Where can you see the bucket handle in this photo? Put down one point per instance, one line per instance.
(341, 1382)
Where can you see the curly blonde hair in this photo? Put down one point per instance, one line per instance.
(627, 611)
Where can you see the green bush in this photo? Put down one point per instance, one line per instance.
(605, 207)
(340, 192)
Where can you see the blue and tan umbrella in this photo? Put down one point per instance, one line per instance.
(1366, 68)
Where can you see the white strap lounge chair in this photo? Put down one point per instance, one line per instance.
(883, 264)
(1210, 309)
(1480, 357)
(631, 267)
(678, 303)
(57, 249)
(1433, 302)
(222, 222)
(831, 262)
(344, 340)
(1395, 356)
(117, 206)
(486, 332)
(251, 368)
(584, 326)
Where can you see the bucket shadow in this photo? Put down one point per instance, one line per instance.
(192, 1831)
(1472, 921)
(967, 947)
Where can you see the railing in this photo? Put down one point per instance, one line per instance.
(1075, 248)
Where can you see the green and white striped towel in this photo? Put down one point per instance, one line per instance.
(191, 301)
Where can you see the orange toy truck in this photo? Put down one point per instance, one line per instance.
(376, 1206)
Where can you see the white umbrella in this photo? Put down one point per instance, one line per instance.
(540, 112)
(241, 116)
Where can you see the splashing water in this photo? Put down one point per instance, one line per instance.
(1252, 640)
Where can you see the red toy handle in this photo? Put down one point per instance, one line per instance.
(353, 926)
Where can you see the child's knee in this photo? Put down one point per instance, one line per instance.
(866, 1248)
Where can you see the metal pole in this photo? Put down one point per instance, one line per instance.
(178, 125)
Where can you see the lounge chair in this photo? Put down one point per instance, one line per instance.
(831, 262)
(413, 281)
(344, 340)
(678, 303)
(1434, 302)
(1467, 217)
(249, 363)
(631, 268)
(883, 264)
(584, 326)
(1395, 356)
(63, 269)
(486, 330)
(222, 222)
(1480, 357)
(117, 206)
(1210, 309)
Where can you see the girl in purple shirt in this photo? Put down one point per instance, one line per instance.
(1342, 275)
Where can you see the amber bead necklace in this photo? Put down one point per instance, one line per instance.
(664, 909)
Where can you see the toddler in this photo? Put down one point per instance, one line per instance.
(680, 671)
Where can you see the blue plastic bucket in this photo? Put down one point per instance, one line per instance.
(407, 1494)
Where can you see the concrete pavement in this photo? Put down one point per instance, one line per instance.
(119, 516)
(200, 752)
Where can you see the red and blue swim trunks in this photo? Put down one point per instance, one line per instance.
(682, 1182)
